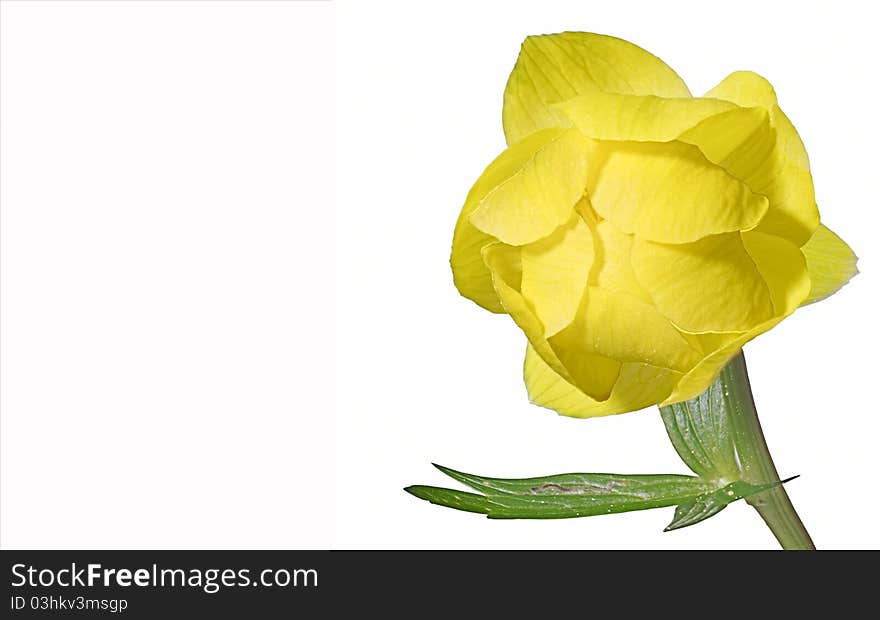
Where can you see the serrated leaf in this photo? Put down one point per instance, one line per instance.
(703, 506)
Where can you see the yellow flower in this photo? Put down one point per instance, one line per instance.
(639, 236)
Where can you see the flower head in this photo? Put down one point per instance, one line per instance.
(639, 236)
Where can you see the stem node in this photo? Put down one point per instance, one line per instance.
(707, 428)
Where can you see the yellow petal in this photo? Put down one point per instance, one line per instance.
(612, 116)
(594, 373)
(539, 180)
(637, 386)
(556, 67)
(626, 329)
(793, 212)
(784, 270)
(746, 89)
(612, 266)
(698, 379)
(670, 192)
(782, 266)
(830, 262)
(554, 273)
(711, 285)
(741, 141)
(709, 342)
(470, 274)
(505, 265)
(546, 388)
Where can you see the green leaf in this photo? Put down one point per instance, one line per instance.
(460, 500)
(706, 432)
(695, 510)
(567, 496)
(583, 485)
(703, 506)
(563, 496)
(701, 432)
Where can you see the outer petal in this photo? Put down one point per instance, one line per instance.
(612, 116)
(711, 285)
(556, 67)
(783, 267)
(698, 379)
(595, 374)
(741, 141)
(539, 181)
(746, 89)
(637, 386)
(830, 262)
(554, 273)
(793, 213)
(504, 264)
(709, 342)
(470, 274)
(624, 328)
(669, 192)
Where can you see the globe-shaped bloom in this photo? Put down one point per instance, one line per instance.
(639, 236)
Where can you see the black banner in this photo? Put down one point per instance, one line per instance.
(283, 584)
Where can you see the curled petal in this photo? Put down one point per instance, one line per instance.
(637, 386)
(627, 329)
(594, 373)
(697, 380)
(469, 272)
(794, 213)
(746, 89)
(644, 118)
(536, 185)
(612, 266)
(505, 265)
(784, 269)
(788, 184)
(782, 266)
(553, 68)
(741, 141)
(554, 273)
(632, 189)
(711, 285)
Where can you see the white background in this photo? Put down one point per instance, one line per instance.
(168, 263)
(184, 318)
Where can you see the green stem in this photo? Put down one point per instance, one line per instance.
(757, 466)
